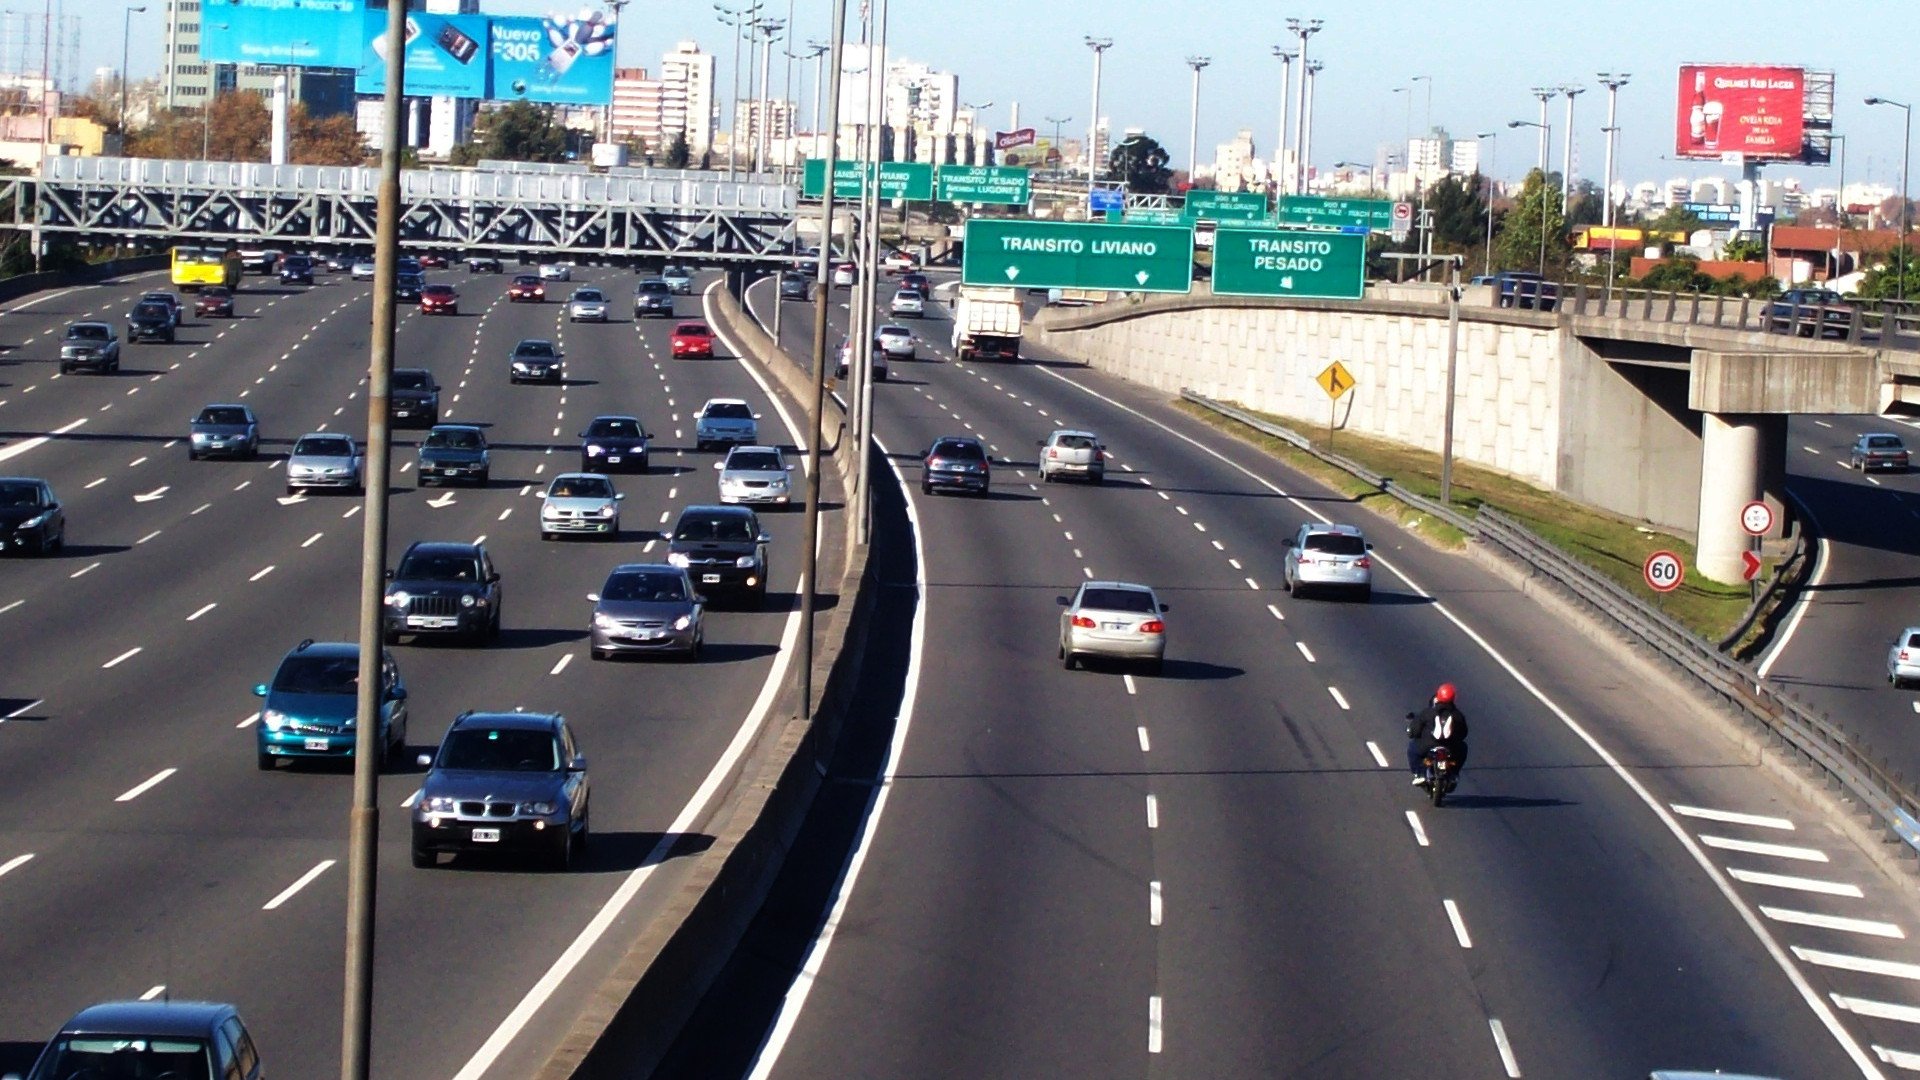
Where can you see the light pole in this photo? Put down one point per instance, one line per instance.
(1099, 47)
(616, 6)
(1546, 136)
(1545, 94)
(1285, 56)
(1613, 83)
(769, 30)
(739, 19)
(125, 31)
(1906, 148)
(1306, 137)
(819, 51)
(1840, 195)
(1058, 122)
(979, 110)
(1426, 133)
(1494, 137)
(1197, 63)
(1572, 90)
(1302, 29)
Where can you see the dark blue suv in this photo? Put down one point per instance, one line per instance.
(309, 707)
(151, 1038)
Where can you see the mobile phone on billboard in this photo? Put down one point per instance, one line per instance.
(457, 42)
(563, 56)
(380, 43)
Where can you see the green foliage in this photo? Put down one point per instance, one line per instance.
(1673, 219)
(1682, 273)
(1141, 164)
(522, 131)
(1459, 213)
(943, 213)
(1744, 249)
(1534, 212)
(1586, 206)
(679, 154)
(1883, 280)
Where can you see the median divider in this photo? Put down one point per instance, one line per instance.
(20, 285)
(634, 1016)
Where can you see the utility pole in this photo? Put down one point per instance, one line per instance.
(1303, 29)
(616, 6)
(1546, 136)
(1285, 56)
(1426, 134)
(1613, 83)
(1099, 47)
(862, 357)
(1572, 90)
(126, 23)
(1312, 74)
(1197, 63)
(1487, 268)
(819, 51)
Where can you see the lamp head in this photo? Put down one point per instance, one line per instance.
(1873, 101)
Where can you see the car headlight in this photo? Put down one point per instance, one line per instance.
(606, 511)
(273, 719)
(398, 599)
(605, 622)
(675, 558)
(540, 808)
(683, 622)
(467, 600)
(595, 451)
(438, 804)
(37, 520)
(746, 561)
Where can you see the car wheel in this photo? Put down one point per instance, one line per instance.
(292, 491)
(192, 454)
(422, 858)
(563, 851)
(583, 841)
(926, 488)
(253, 451)
(545, 535)
(263, 761)
(486, 476)
(1366, 594)
(1069, 660)
(390, 637)
(599, 654)
(644, 466)
(1098, 478)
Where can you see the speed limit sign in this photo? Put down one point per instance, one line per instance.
(1757, 518)
(1663, 571)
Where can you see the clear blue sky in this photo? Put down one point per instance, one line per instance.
(1483, 58)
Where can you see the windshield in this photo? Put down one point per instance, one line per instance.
(440, 290)
(1884, 442)
(297, 262)
(87, 332)
(652, 586)
(526, 279)
(1117, 600)
(454, 439)
(1336, 543)
(727, 529)
(907, 294)
(412, 380)
(895, 331)
(591, 296)
(225, 414)
(196, 257)
(729, 410)
(755, 461)
(151, 311)
(962, 451)
(438, 566)
(690, 330)
(675, 271)
(113, 1056)
(318, 675)
(312, 447)
(534, 348)
(214, 292)
(19, 493)
(500, 750)
(614, 429)
(159, 297)
(654, 287)
(410, 281)
(580, 487)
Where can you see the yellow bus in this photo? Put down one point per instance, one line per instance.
(197, 267)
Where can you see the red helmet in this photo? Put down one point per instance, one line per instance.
(1444, 695)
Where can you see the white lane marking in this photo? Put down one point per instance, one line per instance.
(1801, 884)
(136, 462)
(1419, 830)
(504, 513)
(1892, 969)
(1087, 570)
(1730, 817)
(1252, 584)
(156, 991)
(10, 607)
(1753, 847)
(1145, 745)
(22, 711)
(202, 611)
(1459, 924)
(1304, 651)
(146, 785)
(15, 863)
(649, 546)
(312, 540)
(94, 484)
(1870, 927)
(39, 440)
(1378, 757)
(1276, 613)
(1904, 1059)
(128, 655)
(242, 485)
(248, 721)
(1339, 698)
(1182, 509)
(351, 510)
(1500, 1043)
(305, 880)
(1811, 450)
(1128, 679)
(263, 573)
(407, 803)
(147, 537)
(202, 509)
(1153, 1024)
(1822, 423)
(1153, 901)
(1153, 812)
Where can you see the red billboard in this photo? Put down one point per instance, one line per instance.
(1753, 110)
(1007, 140)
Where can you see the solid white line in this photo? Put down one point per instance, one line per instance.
(1145, 746)
(1153, 1024)
(1339, 698)
(1378, 757)
(1507, 1060)
(128, 655)
(1153, 812)
(1459, 924)
(144, 786)
(305, 880)
(1732, 818)
(1890, 968)
(1153, 903)
(15, 863)
(156, 991)
(1304, 651)
(1786, 881)
(1752, 847)
(39, 440)
(1419, 830)
(1126, 678)
(1822, 561)
(1904, 1059)
(1870, 927)
(249, 721)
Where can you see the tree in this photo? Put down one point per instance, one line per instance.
(1882, 280)
(238, 127)
(327, 140)
(522, 131)
(1141, 164)
(1459, 213)
(679, 154)
(172, 134)
(1537, 209)
(1585, 205)
(1744, 249)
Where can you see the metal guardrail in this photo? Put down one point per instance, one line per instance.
(1890, 324)
(1815, 738)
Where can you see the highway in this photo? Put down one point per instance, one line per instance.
(1223, 871)
(142, 853)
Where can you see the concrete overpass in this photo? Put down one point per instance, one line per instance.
(1675, 415)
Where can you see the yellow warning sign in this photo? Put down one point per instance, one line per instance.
(1335, 380)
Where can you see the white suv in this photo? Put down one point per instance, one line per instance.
(1329, 557)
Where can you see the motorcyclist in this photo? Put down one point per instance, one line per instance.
(1441, 723)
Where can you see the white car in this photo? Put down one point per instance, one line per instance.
(899, 262)
(895, 341)
(587, 305)
(1113, 620)
(844, 275)
(1067, 452)
(1332, 557)
(580, 503)
(725, 422)
(1903, 660)
(556, 272)
(909, 302)
(755, 474)
(362, 270)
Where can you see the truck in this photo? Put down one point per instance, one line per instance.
(986, 324)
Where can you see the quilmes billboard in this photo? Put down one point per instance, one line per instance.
(557, 58)
(446, 55)
(1751, 110)
(293, 33)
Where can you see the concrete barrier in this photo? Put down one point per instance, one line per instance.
(20, 285)
(633, 1017)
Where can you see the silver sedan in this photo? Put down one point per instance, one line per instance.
(325, 460)
(755, 474)
(587, 305)
(1114, 620)
(580, 503)
(1903, 659)
(647, 607)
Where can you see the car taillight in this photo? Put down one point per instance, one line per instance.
(1083, 622)
(1363, 563)
(1053, 453)
(1153, 626)
(936, 463)
(1903, 656)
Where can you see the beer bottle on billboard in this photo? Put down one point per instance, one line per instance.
(1697, 113)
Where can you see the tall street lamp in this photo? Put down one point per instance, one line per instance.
(1099, 47)
(1301, 29)
(1426, 133)
(125, 30)
(1840, 193)
(769, 30)
(1285, 56)
(1546, 137)
(1906, 148)
(818, 50)
(1058, 122)
(740, 19)
(1545, 94)
(1487, 174)
(979, 111)
(1193, 117)
(1613, 83)
(1572, 90)
(1312, 73)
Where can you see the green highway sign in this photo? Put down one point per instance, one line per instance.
(1320, 210)
(1004, 184)
(1225, 205)
(1076, 255)
(910, 180)
(1153, 217)
(1289, 262)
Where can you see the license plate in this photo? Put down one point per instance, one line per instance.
(429, 622)
(316, 744)
(709, 579)
(644, 635)
(613, 459)
(1113, 626)
(486, 836)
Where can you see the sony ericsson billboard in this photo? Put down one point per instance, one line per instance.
(558, 58)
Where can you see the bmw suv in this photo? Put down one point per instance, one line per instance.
(724, 550)
(503, 782)
(449, 590)
(310, 706)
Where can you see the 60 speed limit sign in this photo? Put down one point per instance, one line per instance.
(1663, 571)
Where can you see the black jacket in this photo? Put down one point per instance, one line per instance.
(1428, 724)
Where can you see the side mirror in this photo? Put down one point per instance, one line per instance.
(1369, 547)
(1062, 601)
(260, 690)
(399, 693)
(425, 761)
(766, 538)
(646, 434)
(619, 496)
(1041, 443)
(699, 600)
(1164, 608)
(594, 597)
(578, 764)
(756, 416)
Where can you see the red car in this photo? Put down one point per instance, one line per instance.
(439, 300)
(692, 339)
(214, 301)
(433, 259)
(526, 287)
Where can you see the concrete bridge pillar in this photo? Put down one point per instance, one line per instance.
(1732, 471)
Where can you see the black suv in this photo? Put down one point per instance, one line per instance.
(414, 397)
(407, 286)
(296, 270)
(724, 550)
(956, 463)
(449, 589)
(500, 782)
(535, 360)
(653, 296)
(483, 264)
(455, 452)
(150, 321)
(614, 442)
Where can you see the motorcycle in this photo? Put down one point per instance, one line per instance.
(1442, 773)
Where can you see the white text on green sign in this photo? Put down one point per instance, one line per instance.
(1072, 255)
(1001, 184)
(1321, 210)
(1289, 262)
(909, 180)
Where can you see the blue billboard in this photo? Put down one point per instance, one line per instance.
(295, 33)
(446, 55)
(553, 59)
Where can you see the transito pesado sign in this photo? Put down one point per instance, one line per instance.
(1289, 262)
(1225, 205)
(910, 180)
(1075, 255)
(1321, 210)
(1001, 184)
